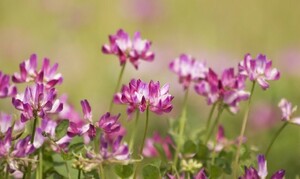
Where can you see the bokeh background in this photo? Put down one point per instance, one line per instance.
(71, 33)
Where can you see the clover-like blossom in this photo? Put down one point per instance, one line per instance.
(7, 122)
(287, 112)
(258, 69)
(134, 50)
(109, 123)
(139, 95)
(150, 150)
(47, 75)
(83, 127)
(6, 89)
(37, 101)
(261, 172)
(229, 88)
(188, 69)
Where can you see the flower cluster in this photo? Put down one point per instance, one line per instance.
(287, 111)
(122, 46)
(6, 89)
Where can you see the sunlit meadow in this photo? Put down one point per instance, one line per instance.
(149, 89)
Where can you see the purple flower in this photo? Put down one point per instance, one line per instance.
(259, 69)
(5, 122)
(6, 90)
(262, 172)
(188, 69)
(201, 175)
(126, 49)
(108, 123)
(37, 100)
(47, 127)
(229, 89)
(287, 111)
(140, 96)
(150, 150)
(47, 75)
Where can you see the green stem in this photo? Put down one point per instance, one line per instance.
(6, 174)
(68, 171)
(40, 164)
(216, 122)
(131, 143)
(79, 174)
(143, 141)
(210, 115)
(236, 162)
(275, 137)
(32, 139)
(182, 122)
(117, 87)
(102, 171)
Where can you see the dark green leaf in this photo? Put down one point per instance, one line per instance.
(76, 147)
(151, 172)
(61, 129)
(189, 147)
(202, 153)
(124, 171)
(215, 172)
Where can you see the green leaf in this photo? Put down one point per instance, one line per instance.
(61, 129)
(92, 174)
(76, 147)
(151, 172)
(161, 151)
(215, 172)
(202, 153)
(124, 171)
(189, 147)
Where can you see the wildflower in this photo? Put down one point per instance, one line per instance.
(47, 75)
(188, 69)
(190, 165)
(126, 49)
(140, 96)
(108, 123)
(37, 101)
(201, 174)
(287, 111)
(259, 69)
(229, 89)
(6, 89)
(47, 128)
(262, 171)
(150, 150)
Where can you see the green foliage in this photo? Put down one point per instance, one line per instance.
(61, 128)
(124, 171)
(151, 172)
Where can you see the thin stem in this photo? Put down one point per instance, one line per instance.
(216, 122)
(32, 139)
(117, 87)
(6, 174)
(68, 171)
(236, 162)
(131, 143)
(182, 122)
(79, 174)
(102, 171)
(275, 137)
(210, 115)
(40, 164)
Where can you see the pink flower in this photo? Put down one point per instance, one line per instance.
(188, 69)
(126, 49)
(150, 150)
(259, 69)
(47, 75)
(140, 96)
(229, 89)
(6, 89)
(201, 175)
(37, 100)
(287, 111)
(48, 127)
(108, 123)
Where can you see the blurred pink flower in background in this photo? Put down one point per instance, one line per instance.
(264, 117)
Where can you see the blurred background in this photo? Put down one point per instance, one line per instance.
(71, 32)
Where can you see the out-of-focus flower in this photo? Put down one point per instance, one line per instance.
(47, 75)
(150, 150)
(85, 126)
(37, 100)
(229, 89)
(264, 116)
(6, 89)
(126, 49)
(108, 123)
(262, 171)
(190, 165)
(47, 127)
(287, 111)
(259, 69)
(140, 96)
(201, 175)
(188, 69)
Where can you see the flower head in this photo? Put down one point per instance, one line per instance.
(6, 89)
(287, 111)
(188, 69)
(140, 96)
(126, 49)
(259, 69)
(201, 174)
(150, 150)
(109, 124)
(37, 100)
(47, 75)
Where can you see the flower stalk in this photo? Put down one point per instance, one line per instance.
(275, 137)
(210, 115)
(131, 143)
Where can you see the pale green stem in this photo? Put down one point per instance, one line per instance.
(275, 137)
(216, 122)
(143, 141)
(79, 174)
(210, 115)
(243, 129)
(40, 165)
(182, 122)
(131, 143)
(68, 171)
(32, 139)
(117, 87)
(102, 174)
